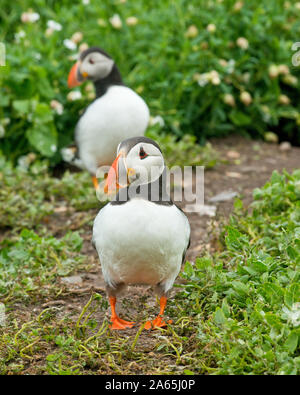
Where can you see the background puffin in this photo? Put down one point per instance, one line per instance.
(141, 236)
(117, 112)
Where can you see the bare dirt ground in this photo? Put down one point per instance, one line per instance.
(246, 165)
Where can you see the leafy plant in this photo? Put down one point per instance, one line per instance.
(248, 298)
(30, 266)
(214, 68)
(28, 193)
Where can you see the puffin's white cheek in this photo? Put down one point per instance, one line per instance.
(104, 69)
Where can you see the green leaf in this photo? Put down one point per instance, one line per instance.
(43, 138)
(43, 113)
(21, 106)
(291, 342)
(219, 316)
(4, 100)
(292, 294)
(235, 240)
(292, 253)
(273, 321)
(239, 118)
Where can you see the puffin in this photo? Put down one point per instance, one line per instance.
(116, 113)
(141, 236)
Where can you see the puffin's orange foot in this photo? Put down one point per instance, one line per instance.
(158, 322)
(119, 324)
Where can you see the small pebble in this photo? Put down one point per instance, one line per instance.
(233, 154)
(285, 146)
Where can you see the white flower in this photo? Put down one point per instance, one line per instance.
(297, 6)
(242, 42)
(211, 28)
(238, 6)
(223, 62)
(49, 31)
(74, 95)
(229, 100)
(246, 77)
(85, 2)
(101, 22)
(23, 162)
(290, 79)
(157, 120)
(83, 47)
(19, 35)
(54, 25)
(70, 44)
(283, 69)
(191, 32)
(2, 131)
(214, 77)
(53, 148)
(77, 37)
(293, 315)
(30, 17)
(246, 98)
(273, 71)
(131, 21)
(231, 65)
(74, 56)
(115, 21)
(67, 154)
(203, 79)
(284, 99)
(57, 106)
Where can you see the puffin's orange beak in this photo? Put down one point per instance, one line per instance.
(72, 78)
(111, 183)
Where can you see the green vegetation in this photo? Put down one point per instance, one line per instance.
(238, 311)
(28, 193)
(207, 68)
(30, 266)
(247, 299)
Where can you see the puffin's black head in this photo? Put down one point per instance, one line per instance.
(94, 64)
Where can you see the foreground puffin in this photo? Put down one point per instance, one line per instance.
(117, 112)
(141, 236)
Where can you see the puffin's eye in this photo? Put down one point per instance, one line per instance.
(91, 61)
(142, 153)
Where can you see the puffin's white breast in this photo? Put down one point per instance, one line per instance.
(119, 114)
(141, 242)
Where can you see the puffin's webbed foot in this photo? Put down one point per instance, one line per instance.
(119, 324)
(158, 322)
(116, 322)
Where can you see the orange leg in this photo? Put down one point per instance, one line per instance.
(117, 322)
(158, 322)
(95, 182)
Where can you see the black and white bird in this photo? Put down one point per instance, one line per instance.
(141, 236)
(117, 112)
